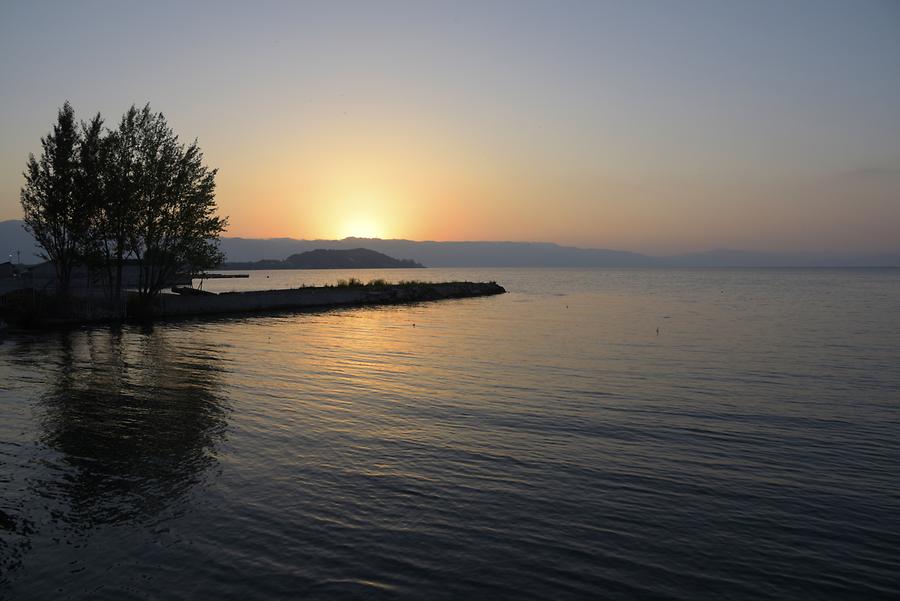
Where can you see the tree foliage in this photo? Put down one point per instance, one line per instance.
(171, 223)
(50, 201)
(135, 193)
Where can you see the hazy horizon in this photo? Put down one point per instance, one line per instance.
(757, 127)
(822, 254)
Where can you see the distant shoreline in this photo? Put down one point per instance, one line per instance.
(255, 267)
(480, 254)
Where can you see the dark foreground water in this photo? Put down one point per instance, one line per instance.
(546, 444)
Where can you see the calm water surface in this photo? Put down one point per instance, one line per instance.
(545, 444)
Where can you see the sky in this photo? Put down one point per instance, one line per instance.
(659, 127)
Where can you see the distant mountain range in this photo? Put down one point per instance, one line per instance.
(355, 258)
(493, 254)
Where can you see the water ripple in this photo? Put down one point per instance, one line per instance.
(542, 444)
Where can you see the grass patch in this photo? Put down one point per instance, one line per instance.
(351, 283)
(376, 283)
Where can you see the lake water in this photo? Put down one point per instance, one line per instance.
(543, 444)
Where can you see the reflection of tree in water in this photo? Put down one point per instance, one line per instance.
(129, 423)
(14, 530)
(136, 420)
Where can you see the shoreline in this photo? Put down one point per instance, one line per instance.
(270, 301)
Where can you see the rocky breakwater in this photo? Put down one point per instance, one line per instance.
(328, 296)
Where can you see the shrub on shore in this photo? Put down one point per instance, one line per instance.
(374, 283)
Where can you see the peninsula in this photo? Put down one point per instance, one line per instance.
(24, 308)
(322, 258)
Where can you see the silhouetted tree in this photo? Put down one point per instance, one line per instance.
(175, 226)
(103, 197)
(115, 198)
(51, 205)
(92, 191)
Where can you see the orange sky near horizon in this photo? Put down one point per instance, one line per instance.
(343, 184)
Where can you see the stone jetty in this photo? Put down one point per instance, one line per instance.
(39, 311)
(170, 305)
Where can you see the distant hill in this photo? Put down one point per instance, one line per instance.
(542, 254)
(493, 254)
(321, 258)
(445, 254)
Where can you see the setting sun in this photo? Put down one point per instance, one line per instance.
(361, 227)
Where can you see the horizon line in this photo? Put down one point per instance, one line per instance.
(675, 254)
(586, 248)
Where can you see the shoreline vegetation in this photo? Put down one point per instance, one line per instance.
(41, 311)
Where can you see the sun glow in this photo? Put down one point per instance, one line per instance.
(361, 227)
